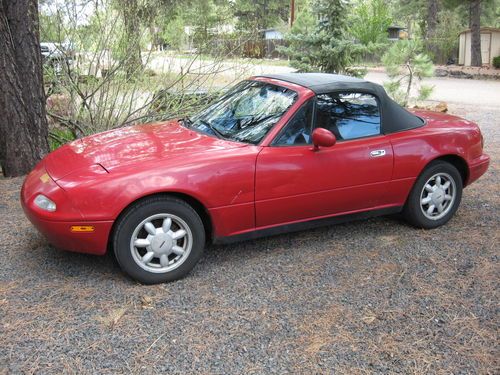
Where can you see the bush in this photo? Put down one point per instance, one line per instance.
(59, 136)
(496, 62)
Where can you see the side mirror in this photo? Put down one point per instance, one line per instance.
(322, 137)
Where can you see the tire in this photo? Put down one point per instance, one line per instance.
(159, 239)
(444, 194)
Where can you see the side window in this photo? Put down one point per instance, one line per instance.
(348, 115)
(298, 130)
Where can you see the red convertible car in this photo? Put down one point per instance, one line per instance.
(276, 153)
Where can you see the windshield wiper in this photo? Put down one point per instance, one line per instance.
(189, 124)
(217, 133)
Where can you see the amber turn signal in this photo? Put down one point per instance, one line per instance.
(82, 228)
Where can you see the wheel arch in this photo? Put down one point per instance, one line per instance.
(198, 206)
(412, 210)
(455, 160)
(458, 162)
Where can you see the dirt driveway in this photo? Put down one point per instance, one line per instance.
(482, 93)
(375, 296)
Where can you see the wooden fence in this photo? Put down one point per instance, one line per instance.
(253, 48)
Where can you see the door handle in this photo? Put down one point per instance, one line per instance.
(377, 153)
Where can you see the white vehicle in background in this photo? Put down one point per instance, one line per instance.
(55, 55)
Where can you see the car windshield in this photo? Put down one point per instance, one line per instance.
(246, 113)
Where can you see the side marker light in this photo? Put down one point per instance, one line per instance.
(82, 228)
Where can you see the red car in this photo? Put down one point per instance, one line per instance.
(276, 153)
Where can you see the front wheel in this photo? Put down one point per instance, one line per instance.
(159, 239)
(435, 197)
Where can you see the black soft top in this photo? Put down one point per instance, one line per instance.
(394, 117)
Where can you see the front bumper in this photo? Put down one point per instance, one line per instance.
(478, 167)
(57, 226)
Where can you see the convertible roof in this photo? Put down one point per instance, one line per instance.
(322, 83)
(394, 117)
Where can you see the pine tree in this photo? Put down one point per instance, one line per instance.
(406, 66)
(326, 47)
(254, 16)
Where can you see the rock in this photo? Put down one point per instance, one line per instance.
(460, 74)
(441, 73)
(441, 107)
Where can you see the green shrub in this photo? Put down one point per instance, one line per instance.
(496, 62)
(58, 137)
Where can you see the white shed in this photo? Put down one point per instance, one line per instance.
(490, 46)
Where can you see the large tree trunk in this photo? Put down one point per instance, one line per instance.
(432, 20)
(23, 122)
(131, 22)
(475, 25)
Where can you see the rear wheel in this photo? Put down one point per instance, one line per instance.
(159, 239)
(435, 197)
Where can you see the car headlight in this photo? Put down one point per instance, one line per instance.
(45, 203)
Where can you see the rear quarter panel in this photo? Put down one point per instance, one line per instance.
(441, 135)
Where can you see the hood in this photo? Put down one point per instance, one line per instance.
(135, 144)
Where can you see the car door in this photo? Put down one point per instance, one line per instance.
(295, 183)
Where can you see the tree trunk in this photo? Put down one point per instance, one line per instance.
(432, 20)
(131, 22)
(23, 122)
(475, 25)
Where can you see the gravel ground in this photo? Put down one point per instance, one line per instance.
(366, 297)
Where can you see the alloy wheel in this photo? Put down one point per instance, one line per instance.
(161, 243)
(437, 196)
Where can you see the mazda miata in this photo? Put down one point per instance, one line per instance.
(275, 153)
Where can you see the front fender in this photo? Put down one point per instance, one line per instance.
(221, 180)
